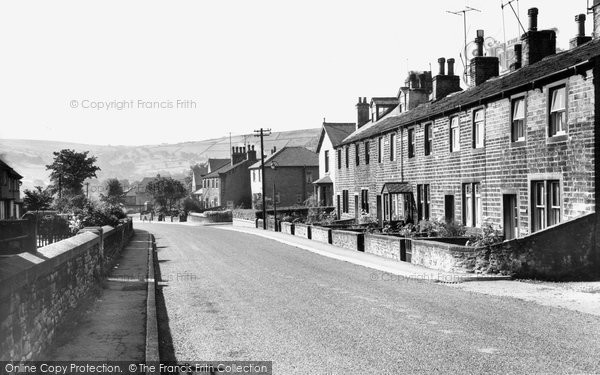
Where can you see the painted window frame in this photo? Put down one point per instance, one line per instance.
(411, 138)
(515, 137)
(454, 141)
(478, 135)
(551, 89)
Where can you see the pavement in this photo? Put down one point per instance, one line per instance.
(111, 324)
(230, 294)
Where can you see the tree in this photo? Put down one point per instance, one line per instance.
(37, 199)
(70, 169)
(114, 192)
(166, 192)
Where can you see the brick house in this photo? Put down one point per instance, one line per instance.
(517, 151)
(10, 192)
(296, 168)
(332, 134)
(229, 185)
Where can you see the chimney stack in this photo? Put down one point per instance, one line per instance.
(482, 67)
(251, 154)
(518, 58)
(580, 38)
(442, 84)
(537, 44)
(362, 109)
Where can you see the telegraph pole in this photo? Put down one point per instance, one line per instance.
(261, 133)
(463, 13)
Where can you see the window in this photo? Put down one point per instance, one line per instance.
(517, 129)
(345, 201)
(259, 174)
(428, 136)
(423, 202)
(558, 104)
(546, 204)
(339, 157)
(367, 153)
(347, 156)
(309, 177)
(253, 176)
(392, 146)
(380, 149)
(454, 134)
(326, 161)
(472, 204)
(478, 128)
(357, 153)
(364, 200)
(411, 142)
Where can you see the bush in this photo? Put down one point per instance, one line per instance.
(487, 237)
(246, 214)
(96, 215)
(219, 216)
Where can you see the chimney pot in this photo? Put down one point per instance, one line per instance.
(580, 19)
(450, 66)
(442, 61)
(532, 13)
(479, 42)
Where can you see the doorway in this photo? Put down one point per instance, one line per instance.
(511, 217)
(449, 208)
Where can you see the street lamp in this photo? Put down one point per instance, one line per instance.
(274, 166)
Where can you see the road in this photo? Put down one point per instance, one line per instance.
(235, 296)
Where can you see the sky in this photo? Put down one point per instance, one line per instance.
(151, 72)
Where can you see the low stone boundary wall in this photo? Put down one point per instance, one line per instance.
(348, 239)
(384, 246)
(38, 290)
(320, 234)
(302, 230)
(287, 228)
(244, 223)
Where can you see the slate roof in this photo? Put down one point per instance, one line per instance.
(524, 78)
(323, 180)
(11, 171)
(224, 169)
(199, 170)
(291, 157)
(385, 100)
(214, 164)
(337, 131)
(396, 187)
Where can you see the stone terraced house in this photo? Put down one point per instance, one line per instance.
(517, 150)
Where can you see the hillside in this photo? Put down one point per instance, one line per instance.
(29, 158)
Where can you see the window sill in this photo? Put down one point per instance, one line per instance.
(455, 152)
(557, 139)
(517, 144)
(479, 150)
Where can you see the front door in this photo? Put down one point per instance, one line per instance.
(449, 208)
(511, 223)
(339, 208)
(356, 213)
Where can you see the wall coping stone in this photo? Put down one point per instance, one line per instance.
(21, 269)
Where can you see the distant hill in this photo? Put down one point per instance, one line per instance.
(132, 163)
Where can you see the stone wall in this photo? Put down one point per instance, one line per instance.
(244, 223)
(302, 230)
(320, 234)
(38, 290)
(563, 252)
(384, 246)
(348, 239)
(287, 228)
